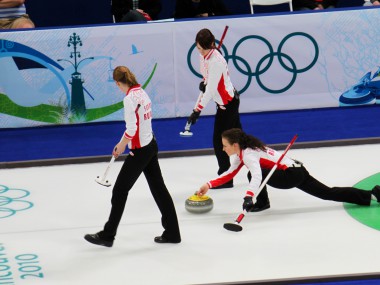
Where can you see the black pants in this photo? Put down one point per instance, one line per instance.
(144, 161)
(225, 120)
(300, 178)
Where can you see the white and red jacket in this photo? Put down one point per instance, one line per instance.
(138, 117)
(216, 76)
(254, 160)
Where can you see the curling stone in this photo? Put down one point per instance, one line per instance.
(198, 205)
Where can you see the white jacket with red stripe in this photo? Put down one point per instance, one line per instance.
(254, 160)
(138, 117)
(216, 76)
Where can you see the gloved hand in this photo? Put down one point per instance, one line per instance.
(248, 203)
(194, 117)
(202, 86)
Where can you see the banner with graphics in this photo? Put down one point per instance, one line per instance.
(64, 76)
(293, 61)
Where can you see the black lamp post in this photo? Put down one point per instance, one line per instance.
(78, 105)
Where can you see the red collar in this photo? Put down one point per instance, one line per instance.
(208, 55)
(133, 87)
(241, 155)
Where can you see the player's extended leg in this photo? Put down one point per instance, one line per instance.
(129, 173)
(164, 202)
(131, 170)
(339, 194)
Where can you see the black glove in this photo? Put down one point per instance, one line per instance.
(248, 203)
(202, 86)
(194, 117)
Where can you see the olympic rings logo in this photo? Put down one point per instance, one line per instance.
(13, 201)
(264, 63)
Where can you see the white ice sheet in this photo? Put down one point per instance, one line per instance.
(298, 236)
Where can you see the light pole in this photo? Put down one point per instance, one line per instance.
(78, 105)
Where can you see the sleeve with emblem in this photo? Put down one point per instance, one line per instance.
(130, 118)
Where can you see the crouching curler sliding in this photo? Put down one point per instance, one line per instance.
(283, 173)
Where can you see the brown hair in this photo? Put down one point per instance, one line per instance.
(124, 75)
(205, 39)
(245, 141)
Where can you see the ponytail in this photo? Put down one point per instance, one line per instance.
(244, 140)
(124, 75)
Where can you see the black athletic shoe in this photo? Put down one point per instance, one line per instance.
(162, 239)
(225, 185)
(95, 239)
(260, 207)
(376, 192)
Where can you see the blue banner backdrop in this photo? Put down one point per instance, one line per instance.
(284, 62)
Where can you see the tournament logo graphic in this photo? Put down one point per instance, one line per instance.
(13, 200)
(70, 105)
(264, 63)
(365, 92)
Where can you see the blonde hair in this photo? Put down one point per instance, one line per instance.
(124, 75)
